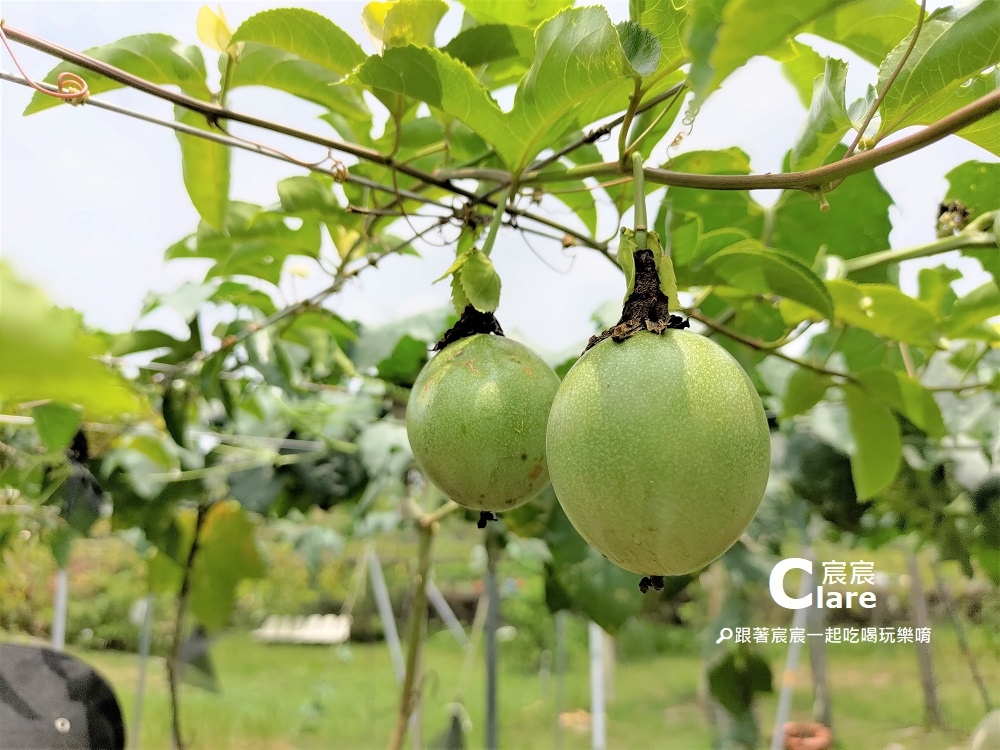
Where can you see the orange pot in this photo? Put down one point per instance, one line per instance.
(807, 735)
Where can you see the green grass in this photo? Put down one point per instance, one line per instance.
(281, 697)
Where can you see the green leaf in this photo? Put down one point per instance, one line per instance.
(578, 196)
(580, 74)
(954, 45)
(935, 290)
(856, 223)
(869, 28)
(805, 389)
(459, 299)
(879, 447)
(227, 554)
(735, 679)
(47, 355)
(482, 45)
(277, 68)
(205, 166)
(594, 586)
(56, 424)
(696, 213)
(394, 23)
(725, 34)
(884, 310)
(310, 196)
(666, 20)
(976, 184)
(801, 65)
(269, 356)
(440, 81)
(827, 120)
(257, 243)
(641, 47)
(906, 396)
(404, 364)
(306, 34)
(750, 266)
(970, 310)
(239, 294)
(480, 282)
(525, 13)
(158, 58)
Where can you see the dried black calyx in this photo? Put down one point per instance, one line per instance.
(472, 322)
(656, 582)
(647, 307)
(484, 518)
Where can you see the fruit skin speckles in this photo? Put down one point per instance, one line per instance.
(658, 450)
(476, 421)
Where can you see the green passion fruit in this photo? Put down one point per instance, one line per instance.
(476, 420)
(658, 450)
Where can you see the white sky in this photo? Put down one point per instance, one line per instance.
(89, 200)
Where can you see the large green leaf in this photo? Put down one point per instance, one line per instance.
(697, 212)
(750, 266)
(725, 34)
(869, 28)
(879, 447)
(827, 120)
(954, 45)
(309, 196)
(47, 355)
(482, 45)
(580, 73)
(855, 224)
(257, 243)
(276, 68)
(666, 20)
(158, 58)
(205, 167)
(437, 79)
(906, 396)
(226, 555)
(985, 133)
(306, 34)
(884, 310)
(805, 389)
(523, 13)
(395, 23)
(590, 584)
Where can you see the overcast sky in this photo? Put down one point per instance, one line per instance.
(90, 200)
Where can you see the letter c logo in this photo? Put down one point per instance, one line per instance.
(777, 583)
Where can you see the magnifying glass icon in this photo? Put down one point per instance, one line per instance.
(726, 634)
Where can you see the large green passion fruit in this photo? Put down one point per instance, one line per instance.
(476, 420)
(658, 450)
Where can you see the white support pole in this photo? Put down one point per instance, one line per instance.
(385, 613)
(440, 604)
(145, 638)
(59, 610)
(598, 727)
(384, 605)
(791, 664)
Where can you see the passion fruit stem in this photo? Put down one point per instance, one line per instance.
(472, 322)
(484, 518)
(646, 308)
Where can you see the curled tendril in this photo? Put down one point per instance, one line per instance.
(70, 87)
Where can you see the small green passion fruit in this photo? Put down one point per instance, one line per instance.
(476, 421)
(658, 450)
